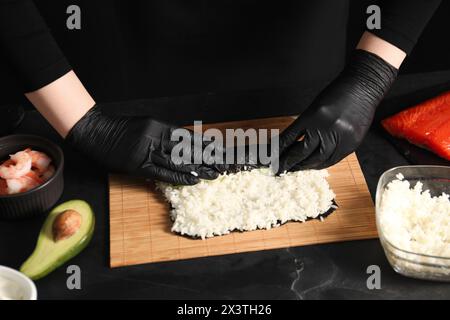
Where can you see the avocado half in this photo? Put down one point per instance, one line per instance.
(50, 254)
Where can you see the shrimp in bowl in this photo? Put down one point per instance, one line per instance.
(17, 166)
(24, 171)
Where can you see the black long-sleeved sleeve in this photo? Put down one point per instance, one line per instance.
(33, 53)
(402, 21)
(29, 46)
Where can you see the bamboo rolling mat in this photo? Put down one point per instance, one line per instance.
(140, 223)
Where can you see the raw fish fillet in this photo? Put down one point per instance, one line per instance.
(426, 125)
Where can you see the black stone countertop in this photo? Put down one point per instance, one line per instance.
(336, 271)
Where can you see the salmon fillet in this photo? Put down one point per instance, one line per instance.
(426, 125)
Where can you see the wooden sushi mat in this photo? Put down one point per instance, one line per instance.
(140, 223)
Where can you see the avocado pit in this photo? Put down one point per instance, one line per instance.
(66, 224)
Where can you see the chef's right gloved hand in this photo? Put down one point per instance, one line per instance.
(339, 118)
(138, 146)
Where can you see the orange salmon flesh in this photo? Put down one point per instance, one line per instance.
(426, 125)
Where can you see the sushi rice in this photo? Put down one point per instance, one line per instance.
(413, 220)
(247, 200)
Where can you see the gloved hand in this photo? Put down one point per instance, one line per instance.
(339, 118)
(138, 146)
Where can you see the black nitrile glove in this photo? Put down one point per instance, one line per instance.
(138, 146)
(339, 118)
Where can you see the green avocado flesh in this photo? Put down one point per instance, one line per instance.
(48, 254)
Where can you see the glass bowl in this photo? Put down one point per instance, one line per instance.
(414, 264)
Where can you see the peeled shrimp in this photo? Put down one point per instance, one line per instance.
(24, 170)
(39, 160)
(48, 173)
(3, 187)
(18, 166)
(22, 184)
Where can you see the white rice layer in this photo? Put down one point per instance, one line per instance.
(247, 200)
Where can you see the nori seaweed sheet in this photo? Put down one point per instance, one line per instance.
(323, 216)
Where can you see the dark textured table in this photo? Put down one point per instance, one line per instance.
(336, 271)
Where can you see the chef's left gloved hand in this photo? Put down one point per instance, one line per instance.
(339, 118)
(138, 146)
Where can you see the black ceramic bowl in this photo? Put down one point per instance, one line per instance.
(40, 199)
